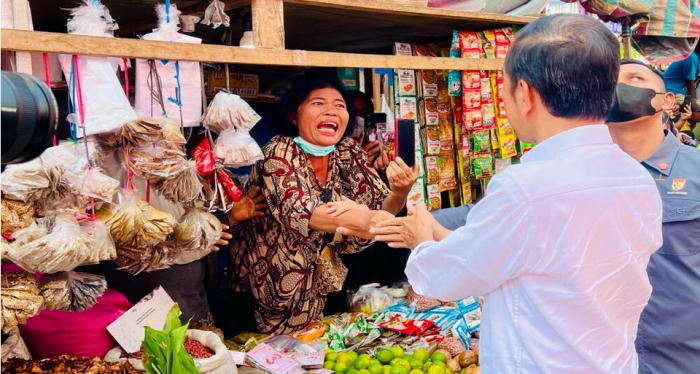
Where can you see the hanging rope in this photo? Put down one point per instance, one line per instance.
(81, 112)
(47, 75)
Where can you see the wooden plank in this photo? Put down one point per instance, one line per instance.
(407, 10)
(268, 23)
(17, 15)
(34, 41)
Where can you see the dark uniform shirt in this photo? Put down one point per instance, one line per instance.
(669, 330)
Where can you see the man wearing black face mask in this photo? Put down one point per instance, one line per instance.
(668, 340)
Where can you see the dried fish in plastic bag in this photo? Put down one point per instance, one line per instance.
(135, 223)
(237, 148)
(198, 230)
(92, 182)
(215, 15)
(184, 187)
(137, 260)
(141, 131)
(63, 248)
(103, 247)
(228, 110)
(66, 205)
(15, 215)
(25, 182)
(71, 291)
(172, 131)
(20, 299)
(156, 161)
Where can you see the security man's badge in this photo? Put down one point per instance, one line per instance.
(678, 184)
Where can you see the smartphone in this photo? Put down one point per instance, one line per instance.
(685, 105)
(407, 141)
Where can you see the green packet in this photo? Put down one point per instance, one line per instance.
(482, 141)
(483, 166)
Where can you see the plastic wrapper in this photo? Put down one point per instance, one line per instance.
(15, 215)
(156, 161)
(14, 347)
(141, 132)
(63, 248)
(245, 341)
(198, 230)
(71, 291)
(184, 187)
(138, 260)
(370, 299)
(205, 158)
(103, 247)
(106, 107)
(227, 111)
(93, 183)
(69, 204)
(20, 299)
(215, 15)
(180, 81)
(172, 131)
(237, 148)
(25, 182)
(135, 223)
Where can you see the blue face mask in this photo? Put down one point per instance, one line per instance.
(313, 149)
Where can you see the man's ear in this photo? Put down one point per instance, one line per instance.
(527, 97)
(669, 101)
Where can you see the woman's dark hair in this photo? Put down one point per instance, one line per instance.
(301, 90)
(572, 61)
(355, 94)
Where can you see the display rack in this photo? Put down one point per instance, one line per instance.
(348, 23)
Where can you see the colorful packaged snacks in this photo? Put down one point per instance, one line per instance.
(454, 83)
(448, 181)
(470, 311)
(406, 82)
(483, 166)
(429, 79)
(461, 331)
(433, 170)
(432, 117)
(434, 198)
(431, 140)
(481, 141)
(469, 42)
(466, 193)
(446, 136)
(407, 108)
(471, 79)
(417, 193)
(403, 49)
(488, 115)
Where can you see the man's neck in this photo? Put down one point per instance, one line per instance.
(639, 140)
(556, 125)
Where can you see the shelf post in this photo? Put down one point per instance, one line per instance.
(17, 15)
(268, 23)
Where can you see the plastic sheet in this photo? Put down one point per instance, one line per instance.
(237, 148)
(215, 15)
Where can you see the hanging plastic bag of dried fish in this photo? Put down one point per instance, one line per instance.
(237, 148)
(140, 132)
(137, 260)
(15, 215)
(198, 230)
(185, 187)
(103, 247)
(227, 111)
(71, 291)
(25, 182)
(154, 161)
(20, 299)
(93, 183)
(65, 246)
(135, 223)
(215, 15)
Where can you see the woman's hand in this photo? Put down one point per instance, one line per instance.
(362, 229)
(337, 208)
(687, 113)
(250, 206)
(401, 177)
(408, 232)
(374, 151)
(223, 239)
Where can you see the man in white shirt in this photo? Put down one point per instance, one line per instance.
(560, 244)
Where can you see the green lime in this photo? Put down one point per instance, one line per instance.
(353, 354)
(439, 356)
(404, 364)
(332, 356)
(386, 369)
(397, 369)
(362, 363)
(435, 369)
(351, 371)
(440, 364)
(375, 368)
(416, 363)
(416, 371)
(374, 361)
(397, 351)
(421, 354)
(363, 371)
(385, 356)
(328, 365)
(342, 368)
(366, 355)
(345, 358)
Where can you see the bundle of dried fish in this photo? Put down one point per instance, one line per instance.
(63, 248)
(184, 187)
(67, 364)
(25, 182)
(156, 161)
(198, 230)
(15, 215)
(172, 131)
(71, 291)
(20, 299)
(103, 247)
(141, 132)
(92, 182)
(137, 260)
(67, 205)
(135, 223)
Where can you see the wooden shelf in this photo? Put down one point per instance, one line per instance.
(35, 41)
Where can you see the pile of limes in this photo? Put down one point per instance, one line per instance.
(388, 361)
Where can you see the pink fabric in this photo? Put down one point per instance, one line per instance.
(84, 334)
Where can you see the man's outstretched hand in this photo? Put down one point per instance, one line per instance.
(406, 232)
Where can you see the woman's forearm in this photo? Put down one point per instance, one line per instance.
(356, 219)
(394, 202)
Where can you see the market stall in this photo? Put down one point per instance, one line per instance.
(186, 116)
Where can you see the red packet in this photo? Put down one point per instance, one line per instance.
(396, 324)
(231, 190)
(420, 325)
(205, 158)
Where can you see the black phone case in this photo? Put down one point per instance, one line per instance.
(406, 147)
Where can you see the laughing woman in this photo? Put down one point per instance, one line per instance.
(289, 258)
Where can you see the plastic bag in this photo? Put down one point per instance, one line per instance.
(71, 291)
(228, 110)
(103, 248)
(65, 247)
(370, 299)
(15, 215)
(141, 132)
(82, 334)
(184, 187)
(198, 230)
(204, 156)
(25, 182)
(93, 183)
(138, 260)
(215, 15)
(181, 81)
(237, 148)
(105, 106)
(155, 161)
(14, 347)
(20, 299)
(135, 223)
(220, 363)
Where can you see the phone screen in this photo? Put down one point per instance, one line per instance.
(407, 141)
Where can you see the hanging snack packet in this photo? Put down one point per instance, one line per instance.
(155, 161)
(71, 291)
(448, 181)
(483, 166)
(103, 248)
(138, 260)
(205, 158)
(198, 230)
(228, 111)
(434, 198)
(92, 183)
(135, 223)
(20, 299)
(141, 132)
(63, 248)
(237, 148)
(481, 141)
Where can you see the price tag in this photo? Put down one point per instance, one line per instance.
(309, 359)
(267, 358)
